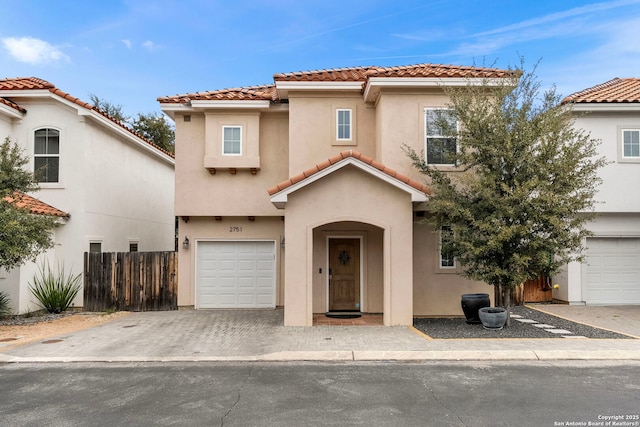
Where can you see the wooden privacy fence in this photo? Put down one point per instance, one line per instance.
(130, 281)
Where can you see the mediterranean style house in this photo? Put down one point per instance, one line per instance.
(112, 190)
(299, 194)
(611, 274)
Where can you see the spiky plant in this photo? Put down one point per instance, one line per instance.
(55, 291)
(5, 310)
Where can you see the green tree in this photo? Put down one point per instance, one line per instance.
(152, 126)
(155, 128)
(524, 184)
(22, 235)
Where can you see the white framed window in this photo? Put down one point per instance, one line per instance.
(343, 124)
(631, 143)
(46, 155)
(231, 140)
(440, 128)
(447, 259)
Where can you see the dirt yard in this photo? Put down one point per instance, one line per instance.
(15, 335)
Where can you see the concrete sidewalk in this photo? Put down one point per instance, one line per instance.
(259, 335)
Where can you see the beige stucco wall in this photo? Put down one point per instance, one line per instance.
(228, 228)
(400, 121)
(312, 133)
(349, 194)
(437, 291)
(198, 193)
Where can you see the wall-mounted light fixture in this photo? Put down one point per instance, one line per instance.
(185, 243)
(282, 242)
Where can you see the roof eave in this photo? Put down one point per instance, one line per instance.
(605, 106)
(280, 198)
(11, 112)
(376, 84)
(227, 104)
(284, 87)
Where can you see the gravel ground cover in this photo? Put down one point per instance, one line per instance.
(458, 327)
(32, 318)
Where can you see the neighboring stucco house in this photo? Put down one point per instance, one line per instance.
(115, 188)
(299, 194)
(611, 271)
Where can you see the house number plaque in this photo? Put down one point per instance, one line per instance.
(235, 229)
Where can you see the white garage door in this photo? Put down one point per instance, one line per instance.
(613, 271)
(236, 275)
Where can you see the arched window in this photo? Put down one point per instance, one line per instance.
(46, 155)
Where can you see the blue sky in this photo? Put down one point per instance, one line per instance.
(129, 52)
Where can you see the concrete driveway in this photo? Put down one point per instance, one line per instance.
(259, 335)
(618, 318)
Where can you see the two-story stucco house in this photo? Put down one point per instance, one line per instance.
(112, 189)
(611, 272)
(299, 194)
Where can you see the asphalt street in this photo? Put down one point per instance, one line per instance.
(314, 394)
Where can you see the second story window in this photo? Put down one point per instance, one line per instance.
(343, 125)
(46, 155)
(441, 127)
(231, 140)
(631, 143)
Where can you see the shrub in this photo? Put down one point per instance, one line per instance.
(5, 310)
(55, 291)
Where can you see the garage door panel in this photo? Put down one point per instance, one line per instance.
(235, 274)
(613, 271)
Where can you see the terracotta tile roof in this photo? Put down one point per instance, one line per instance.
(12, 104)
(614, 91)
(352, 74)
(418, 70)
(343, 155)
(34, 205)
(251, 93)
(34, 83)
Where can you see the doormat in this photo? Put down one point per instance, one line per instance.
(343, 314)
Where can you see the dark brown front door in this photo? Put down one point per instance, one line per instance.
(344, 274)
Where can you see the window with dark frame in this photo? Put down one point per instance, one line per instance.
(46, 155)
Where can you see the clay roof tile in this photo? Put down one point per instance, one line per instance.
(617, 90)
(35, 206)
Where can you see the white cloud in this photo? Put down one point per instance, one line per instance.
(149, 45)
(32, 50)
(127, 43)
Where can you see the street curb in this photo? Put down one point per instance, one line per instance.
(355, 356)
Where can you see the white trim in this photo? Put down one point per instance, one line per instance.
(280, 198)
(374, 84)
(244, 103)
(621, 146)
(11, 112)
(283, 88)
(338, 110)
(611, 106)
(426, 135)
(223, 140)
(327, 260)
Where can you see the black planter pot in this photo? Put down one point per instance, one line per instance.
(493, 317)
(471, 303)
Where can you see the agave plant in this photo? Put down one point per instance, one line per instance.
(55, 291)
(5, 310)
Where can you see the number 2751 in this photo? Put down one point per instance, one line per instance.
(235, 229)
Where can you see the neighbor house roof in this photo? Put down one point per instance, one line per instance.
(617, 90)
(280, 192)
(34, 83)
(342, 75)
(35, 206)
